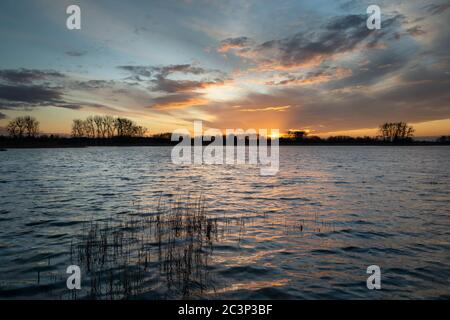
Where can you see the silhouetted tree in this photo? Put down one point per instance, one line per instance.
(297, 134)
(139, 131)
(396, 131)
(16, 128)
(108, 123)
(89, 127)
(106, 127)
(125, 127)
(77, 128)
(23, 126)
(99, 126)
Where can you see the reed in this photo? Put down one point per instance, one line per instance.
(174, 242)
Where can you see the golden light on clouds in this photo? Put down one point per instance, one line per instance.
(224, 92)
(279, 109)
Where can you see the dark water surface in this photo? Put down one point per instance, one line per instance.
(308, 232)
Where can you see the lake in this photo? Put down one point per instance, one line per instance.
(309, 232)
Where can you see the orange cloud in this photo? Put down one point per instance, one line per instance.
(279, 109)
(172, 102)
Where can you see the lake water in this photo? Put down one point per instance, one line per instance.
(309, 232)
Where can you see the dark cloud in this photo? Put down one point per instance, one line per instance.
(378, 66)
(437, 8)
(172, 86)
(340, 35)
(234, 43)
(22, 89)
(78, 106)
(29, 94)
(321, 74)
(93, 84)
(71, 106)
(416, 31)
(183, 68)
(76, 53)
(139, 72)
(27, 75)
(352, 4)
(346, 22)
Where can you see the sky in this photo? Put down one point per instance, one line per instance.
(285, 64)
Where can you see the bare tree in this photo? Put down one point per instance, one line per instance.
(14, 129)
(77, 128)
(89, 127)
(108, 123)
(124, 127)
(31, 126)
(139, 131)
(99, 126)
(106, 127)
(396, 131)
(23, 126)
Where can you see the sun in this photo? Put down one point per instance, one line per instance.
(275, 135)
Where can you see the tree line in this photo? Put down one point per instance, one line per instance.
(106, 127)
(91, 127)
(389, 132)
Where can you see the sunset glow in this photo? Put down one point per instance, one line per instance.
(166, 64)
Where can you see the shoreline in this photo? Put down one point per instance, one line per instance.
(77, 146)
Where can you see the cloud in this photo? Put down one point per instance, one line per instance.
(416, 31)
(313, 77)
(385, 87)
(173, 86)
(180, 84)
(27, 89)
(179, 101)
(71, 106)
(29, 94)
(278, 109)
(183, 68)
(233, 43)
(377, 67)
(305, 49)
(437, 8)
(2, 116)
(76, 53)
(411, 102)
(139, 72)
(28, 75)
(81, 105)
(92, 84)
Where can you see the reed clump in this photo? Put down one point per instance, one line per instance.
(171, 245)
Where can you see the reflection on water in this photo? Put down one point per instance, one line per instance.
(308, 232)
